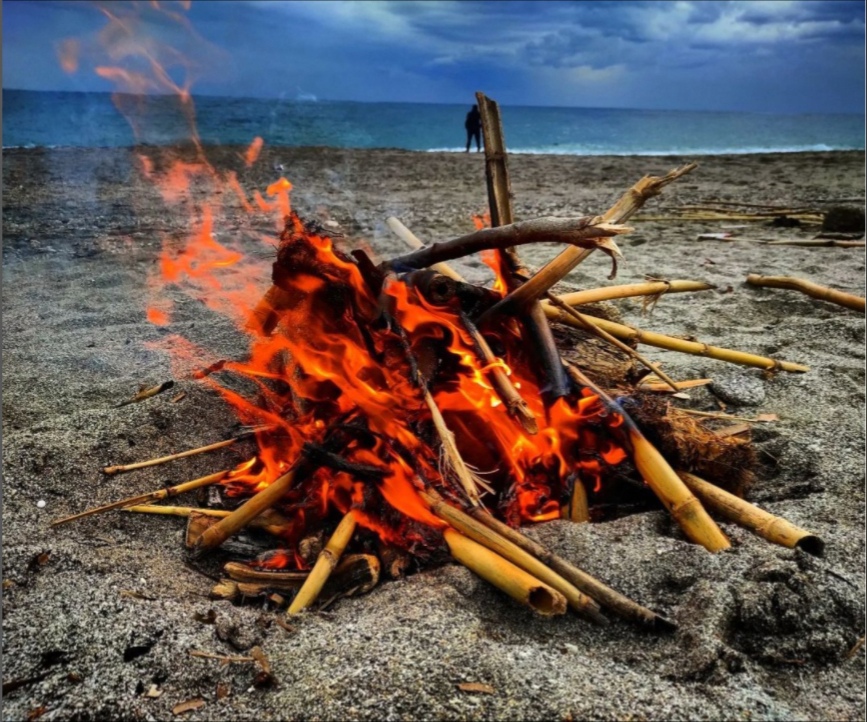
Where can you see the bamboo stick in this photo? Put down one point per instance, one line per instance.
(831, 242)
(325, 564)
(111, 470)
(148, 497)
(603, 334)
(661, 478)
(587, 232)
(504, 575)
(605, 595)
(650, 385)
(517, 407)
(413, 241)
(808, 287)
(244, 514)
(556, 270)
(727, 417)
(488, 538)
(696, 348)
(773, 528)
(269, 520)
(651, 288)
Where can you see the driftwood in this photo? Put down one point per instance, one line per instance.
(556, 270)
(651, 288)
(811, 289)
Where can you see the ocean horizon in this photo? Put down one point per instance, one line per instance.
(54, 119)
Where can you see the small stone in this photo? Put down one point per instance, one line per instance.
(739, 390)
(40, 504)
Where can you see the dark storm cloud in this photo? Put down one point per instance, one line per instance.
(766, 56)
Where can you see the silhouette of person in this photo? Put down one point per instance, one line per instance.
(473, 124)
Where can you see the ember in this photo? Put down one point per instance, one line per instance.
(406, 410)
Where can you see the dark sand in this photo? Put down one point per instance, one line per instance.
(764, 631)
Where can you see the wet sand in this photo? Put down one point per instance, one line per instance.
(764, 631)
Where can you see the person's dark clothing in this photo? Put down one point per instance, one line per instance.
(473, 124)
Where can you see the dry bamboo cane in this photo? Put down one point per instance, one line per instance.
(773, 528)
(697, 348)
(269, 521)
(603, 334)
(325, 564)
(605, 595)
(504, 575)
(662, 479)
(244, 514)
(488, 538)
(149, 497)
(579, 510)
(557, 269)
(651, 288)
(814, 290)
(110, 470)
(413, 241)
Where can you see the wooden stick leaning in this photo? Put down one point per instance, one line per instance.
(148, 497)
(589, 232)
(325, 564)
(557, 269)
(773, 528)
(697, 348)
(534, 325)
(814, 290)
(661, 478)
(504, 575)
(488, 538)
(603, 334)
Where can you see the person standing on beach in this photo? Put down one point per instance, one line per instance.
(473, 124)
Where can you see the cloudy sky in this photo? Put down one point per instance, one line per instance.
(787, 56)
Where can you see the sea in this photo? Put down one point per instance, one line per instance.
(56, 119)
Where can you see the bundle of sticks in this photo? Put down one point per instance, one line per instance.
(453, 513)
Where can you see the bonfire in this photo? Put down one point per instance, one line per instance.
(402, 415)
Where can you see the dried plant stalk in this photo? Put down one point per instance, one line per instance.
(452, 458)
(500, 380)
(556, 270)
(696, 348)
(172, 457)
(413, 241)
(813, 290)
(149, 497)
(605, 595)
(504, 575)
(773, 528)
(325, 564)
(245, 513)
(651, 288)
(488, 538)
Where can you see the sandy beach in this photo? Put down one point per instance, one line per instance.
(97, 613)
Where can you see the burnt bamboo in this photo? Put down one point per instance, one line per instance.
(773, 528)
(355, 574)
(487, 537)
(696, 348)
(681, 503)
(557, 269)
(504, 575)
(325, 564)
(244, 514)
(813, 290)
(514, 403)
(602, 593)
(149, 497)
(586, 232)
